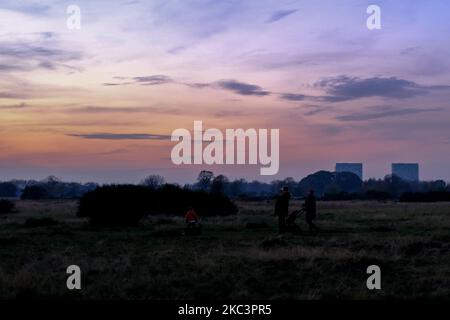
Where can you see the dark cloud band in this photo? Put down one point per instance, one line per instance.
(120, 136)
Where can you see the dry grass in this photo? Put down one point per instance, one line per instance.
(410, 242)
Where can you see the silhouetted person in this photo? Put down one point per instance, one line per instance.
(282, 208)
(310, 211)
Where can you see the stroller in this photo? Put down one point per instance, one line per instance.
(291, 226)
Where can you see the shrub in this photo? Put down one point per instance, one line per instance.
(127, 204)
(174, 200)
(377, 195)
(432, 196)
(8, 190)
(40, 222)
(341, 196)
(34, 193)
(115, 205)
(7, 206)
(368, 195)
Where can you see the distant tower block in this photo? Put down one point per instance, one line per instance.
(356, 168)
(406, 171)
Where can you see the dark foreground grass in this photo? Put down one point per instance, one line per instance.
(239, 257)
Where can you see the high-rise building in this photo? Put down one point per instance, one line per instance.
(356, 168)
(406, 171)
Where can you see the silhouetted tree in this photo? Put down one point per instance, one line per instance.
(204, 180)
(317, 181)
(396, 186)
(332, 189)
(438, 185)
(34, 193)
(219, 184)
(8, 190)
(348, 182)
(51, 180)
(237, 187)
(153, 181)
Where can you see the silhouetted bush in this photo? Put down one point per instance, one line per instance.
(433, 196)
(127, 204)
(53, 188)
(377, 195)
(341, 196)
(8, 190)
(171, 199)
(116, 204)
(34, 193)
(368, 195)
(7, 206)
(40, 222)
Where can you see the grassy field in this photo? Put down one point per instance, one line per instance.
(238, 257)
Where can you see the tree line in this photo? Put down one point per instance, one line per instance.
(327, 186)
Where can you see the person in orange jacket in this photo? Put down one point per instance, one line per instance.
(191, 216)
(193, 226)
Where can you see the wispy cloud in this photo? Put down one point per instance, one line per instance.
(314, 109)
(102, 110)
(281, 14)
(114, 84)
(177, 50)
(410, 50)
(12, 87)
(293, 97)
(242, 88)
(41, 50)
(95, 109)
(32, 7)
(383, 112)
(14, 106)
(344, 88)
(231, 113)
(152, 80)
(120, 136)
(337, 89)
(130, 3)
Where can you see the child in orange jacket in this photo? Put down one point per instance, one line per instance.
(191, 216)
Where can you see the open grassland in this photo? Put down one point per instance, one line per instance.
(237, 257)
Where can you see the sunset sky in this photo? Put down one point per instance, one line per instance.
(99, 103)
